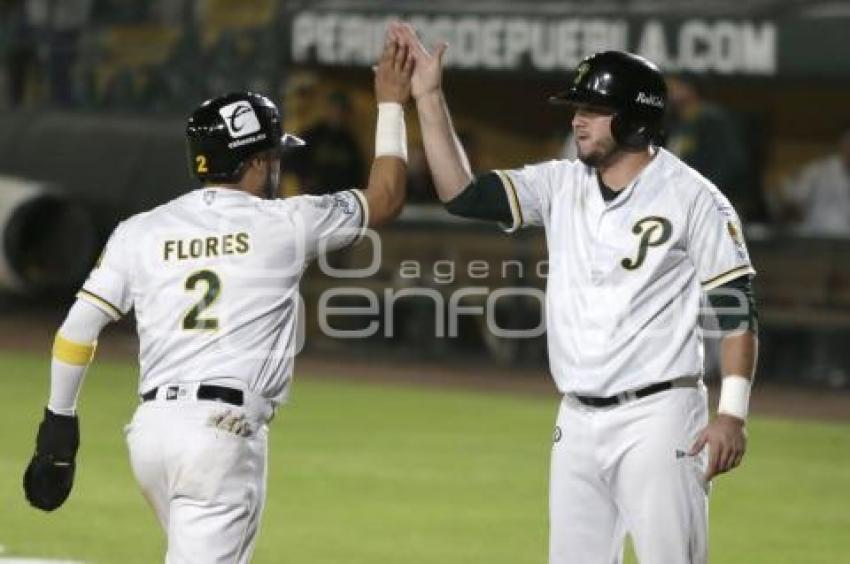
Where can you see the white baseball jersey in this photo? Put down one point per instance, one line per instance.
(213, 276)
(626, 277)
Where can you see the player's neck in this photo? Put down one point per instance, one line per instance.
(624, 167)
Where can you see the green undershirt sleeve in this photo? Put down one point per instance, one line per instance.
(734, 304)
(483, 198)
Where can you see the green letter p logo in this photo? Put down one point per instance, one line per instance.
(654, 231)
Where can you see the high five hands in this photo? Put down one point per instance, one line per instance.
(428, 66)
(393, 73)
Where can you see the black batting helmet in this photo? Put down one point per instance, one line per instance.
(224, 132)
(630, 85)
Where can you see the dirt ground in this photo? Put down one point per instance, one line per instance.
(28, 331)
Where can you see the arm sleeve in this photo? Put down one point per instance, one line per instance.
(484, 198)
(108, 285)
(528, 192)
(332, 221)
(77, 337)
(734, 305)
(716, 242)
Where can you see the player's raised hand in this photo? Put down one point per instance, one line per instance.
(726, 438)
(392, 74)
(428, 70)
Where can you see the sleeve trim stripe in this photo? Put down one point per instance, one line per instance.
(721, 279)
(101, 304)
(513, 200)
(364, 213)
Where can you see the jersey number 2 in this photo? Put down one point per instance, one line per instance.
(192, 319)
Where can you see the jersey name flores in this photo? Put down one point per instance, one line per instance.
(213, 277)
(626, 277)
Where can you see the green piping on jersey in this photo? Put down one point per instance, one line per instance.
(101, 304)
(513, 198)
(721, 279)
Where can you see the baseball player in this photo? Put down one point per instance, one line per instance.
(213, 277)
(636, 239)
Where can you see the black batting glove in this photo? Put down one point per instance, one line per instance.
(50, 474)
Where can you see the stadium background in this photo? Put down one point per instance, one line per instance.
(407, 445)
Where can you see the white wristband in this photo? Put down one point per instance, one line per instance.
(390, 132)
(734, 396)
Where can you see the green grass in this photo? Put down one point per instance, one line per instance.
(362, 473)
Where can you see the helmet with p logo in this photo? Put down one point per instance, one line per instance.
(629, 85)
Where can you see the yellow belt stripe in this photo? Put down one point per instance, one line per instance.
(71, 352)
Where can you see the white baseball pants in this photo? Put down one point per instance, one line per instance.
(206, 484)
(625, 469)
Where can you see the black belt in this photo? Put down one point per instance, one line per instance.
(205, 392)
(594, 401)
